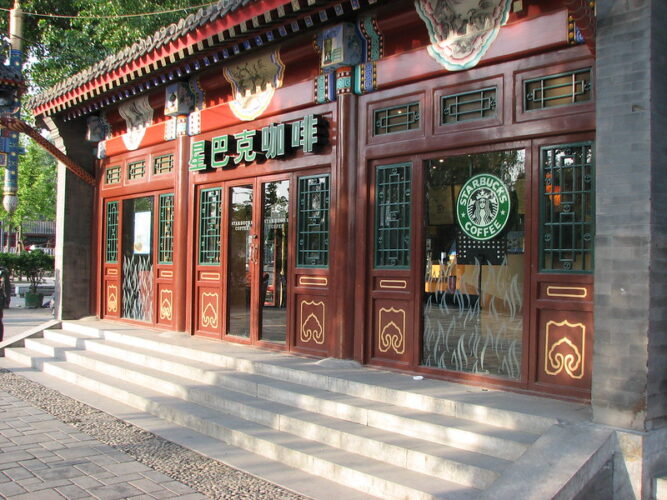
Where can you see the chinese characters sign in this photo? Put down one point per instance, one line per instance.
(271, 142)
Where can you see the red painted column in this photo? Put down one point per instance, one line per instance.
(181, 218)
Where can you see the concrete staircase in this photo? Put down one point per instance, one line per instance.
(383, 434)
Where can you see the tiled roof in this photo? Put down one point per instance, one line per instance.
(141, 48)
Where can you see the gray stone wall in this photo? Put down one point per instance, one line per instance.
(74, 217)
(657, 340)
(624, 207)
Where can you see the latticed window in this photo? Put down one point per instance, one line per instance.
(209, 226)
(567, 208)
(166, 229)
(392, 216)
(467, 106)
(396, 118)
(558, 90)
(136, 170)
(111, 244)
(112, 175)
(163, 164)
(313, 225)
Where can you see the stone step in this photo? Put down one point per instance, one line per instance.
(661, 488)
(448, 462)
(344, 378)
(351, 469)
(497, 442)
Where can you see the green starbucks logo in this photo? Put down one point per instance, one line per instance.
(483, 207)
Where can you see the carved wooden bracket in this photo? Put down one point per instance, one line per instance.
(18, 125)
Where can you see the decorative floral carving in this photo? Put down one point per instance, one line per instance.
(461, 31)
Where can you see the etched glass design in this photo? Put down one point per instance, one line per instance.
(473, 306)
(137, 248)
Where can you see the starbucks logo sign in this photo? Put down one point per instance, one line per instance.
(483, 207)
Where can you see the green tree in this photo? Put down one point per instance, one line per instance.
(60, 47)
(36, 190)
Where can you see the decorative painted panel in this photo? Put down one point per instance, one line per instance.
(166, 305)
(565, 343)
(312, 321)
(112, 299)
(209, 310)
(392, 327)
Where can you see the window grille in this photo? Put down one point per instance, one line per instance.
(396, 118)
(392, 216)
(163, 164)
(467, 106)
(136, 170)
(558, 90)
(112, 175)
(111, 246)
(209, 226)
(313, 222)
(166, 229)
(567, 208)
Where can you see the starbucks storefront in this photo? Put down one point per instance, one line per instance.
(481, 255)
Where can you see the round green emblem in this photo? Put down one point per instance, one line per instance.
(483, 207)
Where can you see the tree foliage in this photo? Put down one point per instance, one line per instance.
(60, 47)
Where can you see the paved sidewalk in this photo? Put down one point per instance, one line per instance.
(43, 458)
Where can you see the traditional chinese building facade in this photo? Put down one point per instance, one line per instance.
(414, 186)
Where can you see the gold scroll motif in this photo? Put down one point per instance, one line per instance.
(313, 281)
(112, 299)
(312, 325)
(391, 323)
(166, 301)
(209, 309)
(567, 291)
(564, 353)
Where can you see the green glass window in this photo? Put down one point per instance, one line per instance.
(396, 118)
(466, 106)
(166, 229)
(163, 164)
(567, 212)
(558, 90)
(313, 222)
(111, 244)
(209, 226)
(136, 170)
(112, 175)
(392, 216)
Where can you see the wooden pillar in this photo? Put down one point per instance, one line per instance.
(181, 218)
(344, 251)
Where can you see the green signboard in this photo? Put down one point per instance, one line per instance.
(483, 207)
(271, 142)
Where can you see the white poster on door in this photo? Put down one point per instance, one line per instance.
(142, 233)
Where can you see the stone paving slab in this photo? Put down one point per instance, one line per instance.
(53, 447)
